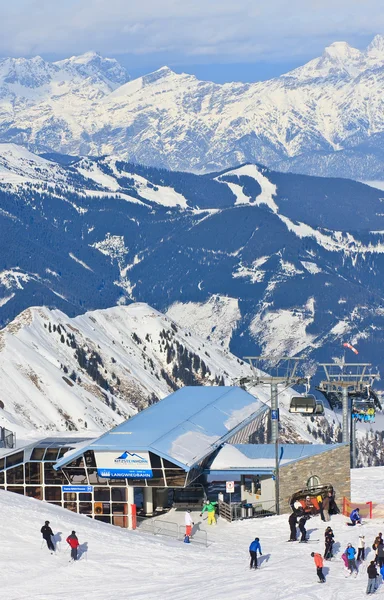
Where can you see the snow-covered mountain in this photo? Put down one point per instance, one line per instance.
(324, 118)
(94, 371)
(255, 260)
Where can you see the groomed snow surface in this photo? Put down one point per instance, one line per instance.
(120, 564)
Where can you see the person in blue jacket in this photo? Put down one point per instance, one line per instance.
(253, 549)
(351, 554)
(355, 517)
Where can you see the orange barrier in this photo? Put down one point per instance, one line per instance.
(366, 509)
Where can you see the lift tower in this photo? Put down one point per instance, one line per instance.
(284, 374)
(351, 381)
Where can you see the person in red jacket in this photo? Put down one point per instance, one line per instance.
(319, 566)
(74, 543)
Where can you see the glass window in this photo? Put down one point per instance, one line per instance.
(2, 477)
(51, 476)
(16, 490)
(2, 463)
(119, 494)
(71, 506)
(119, 508)
(175, 477)
(155, 460)
(103, 518)
(102, 494)
(90, 458)
(15, 475)
(85, 497)
(51, 454)
(62, 451)
(85, 508)
(32, 472)
(52, 494)
(157, 480)
(37, 454)
(169, 465)
(70, 497)
(14, 459)
(34, 492)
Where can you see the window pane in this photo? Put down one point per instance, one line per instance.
(71, 506)
(70, 497)
(53, 477)
(51, 454)
(53, 493)
(85, 497)
(14, 459)
(2, 477)
(62, 451)
(119, 494)
(157, 479)
(102, 494)
(85, 508)
(34, 492)
(37, 454)
(155, 461)
(103, 518)
(90, 458)
(175, 477)
(169, 465)
(16, 490)
(2, 463)
(32, 472)
(15, 475)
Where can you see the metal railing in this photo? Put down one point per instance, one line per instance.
(169, 529)
(238, 510)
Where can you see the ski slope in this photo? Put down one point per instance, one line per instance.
(121, 564)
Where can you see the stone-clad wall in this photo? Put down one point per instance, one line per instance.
(331, 467)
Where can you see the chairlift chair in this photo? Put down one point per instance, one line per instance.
(319, 410)
(303, 405)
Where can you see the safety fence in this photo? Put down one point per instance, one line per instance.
(169, 529)
(366, 509)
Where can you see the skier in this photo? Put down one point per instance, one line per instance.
(74, 543)
(302, 523)
(372, 575)
(355, 517)
(329, 539)
(188, 523)
(375, 545)
(320, 502)
(380, 554)
(361, 548)
(292, 524)
(351, 553)
(47, 534)
(319, 566)
(210, 507)
(253, 548)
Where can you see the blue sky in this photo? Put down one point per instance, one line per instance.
(222, 40)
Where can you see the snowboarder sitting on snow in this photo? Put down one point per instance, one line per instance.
(47, 534)
(372, 574)
(188, 523)
(351, 553)
(74, 543)
(319, 566)
(355, 517)
(253, 549)
(210, 507)
(302, 523)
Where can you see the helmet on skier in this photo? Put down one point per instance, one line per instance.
(257, 539)
(47, 522)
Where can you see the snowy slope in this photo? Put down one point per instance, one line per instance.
(325, 117)
(115, 560)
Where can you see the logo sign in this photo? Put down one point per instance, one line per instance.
(275, 415)
(229, 487)
(77, 489)
(121, 465)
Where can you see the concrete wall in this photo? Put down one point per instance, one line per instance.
(331, 467)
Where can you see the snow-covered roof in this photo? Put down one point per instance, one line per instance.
(261, 457)
(184, 428)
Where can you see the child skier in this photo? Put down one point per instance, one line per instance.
(319, 566)
(74, 543)
(210, 507)
(351, 553)
(329, 539)
(188, 522)
(253, 549)
(47, 534)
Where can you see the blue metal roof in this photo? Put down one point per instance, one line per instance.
(184, 428)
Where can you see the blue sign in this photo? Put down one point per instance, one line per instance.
(275, 415)
(125, 473)
(77, 489)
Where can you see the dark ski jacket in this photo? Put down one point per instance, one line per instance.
(372, 572)
(292, 518)
(380, 550)
(303, 520)
(255, 546)
(354, 516)
(46, 532)
(73, 541)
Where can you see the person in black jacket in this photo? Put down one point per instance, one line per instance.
(372, 574)
(292, 525)
(47, 534)
(329, 539)
(302, 523)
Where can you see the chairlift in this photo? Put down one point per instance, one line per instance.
(303, 405)
(363, 410)
(319, 410)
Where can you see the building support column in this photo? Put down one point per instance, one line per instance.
(148, 501)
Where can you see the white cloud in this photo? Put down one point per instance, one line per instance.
(239, 30)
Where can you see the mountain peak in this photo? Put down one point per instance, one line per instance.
(341, 51)
(92, 64)
(377, 45)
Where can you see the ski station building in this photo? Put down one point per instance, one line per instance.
(188, 444)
